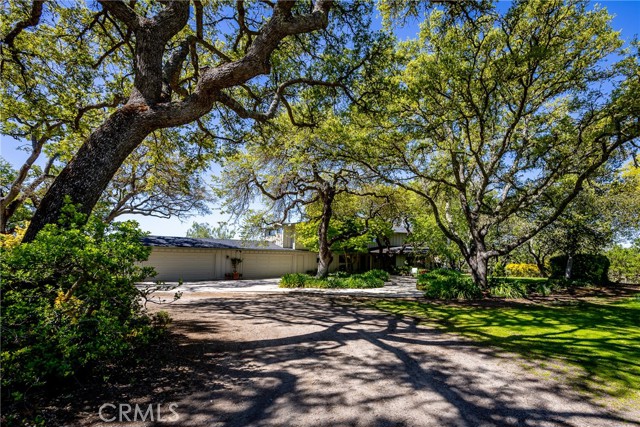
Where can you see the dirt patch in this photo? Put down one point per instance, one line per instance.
(237, 360)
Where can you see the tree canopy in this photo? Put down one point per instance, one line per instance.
(504, 116)
(507, 125)
(203, 230)
(119, 71)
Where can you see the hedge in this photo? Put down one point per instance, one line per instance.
(340, 280)
(586, 267)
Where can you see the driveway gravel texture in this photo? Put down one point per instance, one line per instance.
(309, 360)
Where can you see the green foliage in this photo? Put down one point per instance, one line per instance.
(443, 283)
(356, 221)
(294, 280)
(339, 280)
(459, 146)
(499, 269)
(509, 290)
(518, 287)
(204, 230)
(22, 213)
(378, 274)
(521, 270)
(597, 339)
(590, 268)
(69, 303)
(625, 263)
(425, 232)
(358, 281)
(403, 270)
(450, 284)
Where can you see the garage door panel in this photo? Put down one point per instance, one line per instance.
(267, 265)
(195, 265)
(182, 265)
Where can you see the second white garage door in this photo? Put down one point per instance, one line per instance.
(262, 265)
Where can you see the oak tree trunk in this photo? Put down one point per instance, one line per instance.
(568, 271)
(325, 257)
(84, 179)
(478, 262)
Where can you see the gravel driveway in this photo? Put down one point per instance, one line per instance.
(306, 360)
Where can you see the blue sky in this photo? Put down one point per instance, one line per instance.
(626, 20)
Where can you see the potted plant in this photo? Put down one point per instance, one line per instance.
(234, 264)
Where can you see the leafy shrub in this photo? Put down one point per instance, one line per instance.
(294, 280)
(505, 288)
(499, 269)
(69, 304)
(378, 274)
(447, 284)
(562, 283)
(625, 263)
(10, 241)
(313, 282)
(341, 280)
(519, 287)
(586, 268)
(521, 270)
(544, 288)
(340, 274)
(402, 270)
(356, 282)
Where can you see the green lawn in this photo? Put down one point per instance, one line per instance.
(595, 345)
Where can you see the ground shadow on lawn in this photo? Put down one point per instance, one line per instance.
(602, 340)
(254, 381)
(338, 324)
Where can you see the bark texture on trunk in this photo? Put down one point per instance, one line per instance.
(325, 257)
(568, 271)
(478, 263)
(87, 175)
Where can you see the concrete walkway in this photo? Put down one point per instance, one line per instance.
(398, 287)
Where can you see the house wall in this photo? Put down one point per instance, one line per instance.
(396, 239)
(196, 264)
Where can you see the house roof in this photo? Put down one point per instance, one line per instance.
(190, 242)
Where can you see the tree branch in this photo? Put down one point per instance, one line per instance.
(31, 21)
(122, 12)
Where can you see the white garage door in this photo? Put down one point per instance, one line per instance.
(266, 265)
(185, 264)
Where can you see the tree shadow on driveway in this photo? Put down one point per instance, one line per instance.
(304, 360)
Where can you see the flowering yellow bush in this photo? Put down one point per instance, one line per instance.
(10, 241)
(68, 305)
(522, 270)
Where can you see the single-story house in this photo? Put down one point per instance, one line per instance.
(195, 259)
(191, 259)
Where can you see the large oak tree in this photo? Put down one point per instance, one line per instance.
(153, 65)
(503, 116)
